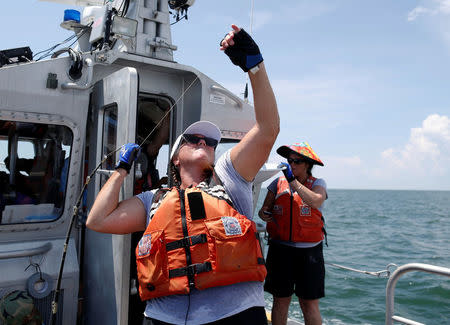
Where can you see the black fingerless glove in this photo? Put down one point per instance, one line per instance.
(244, 53)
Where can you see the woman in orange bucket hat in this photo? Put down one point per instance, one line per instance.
(293, 212)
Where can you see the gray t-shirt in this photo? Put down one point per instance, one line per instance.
(273, 188)
(209, 305)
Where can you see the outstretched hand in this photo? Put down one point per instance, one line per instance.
(228, 39)
(241, 49)
(128, 154)
(287, 171)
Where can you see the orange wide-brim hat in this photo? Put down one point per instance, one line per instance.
(303, 149)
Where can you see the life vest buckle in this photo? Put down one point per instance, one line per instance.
(191, 270)
(185, 242)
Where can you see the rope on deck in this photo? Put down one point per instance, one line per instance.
(380, 274)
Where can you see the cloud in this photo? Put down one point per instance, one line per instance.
(416, 12)
(444, 6)
(435, 7)
(421, 163)
(428, 148)
(436, 13)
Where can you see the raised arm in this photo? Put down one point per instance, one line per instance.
(252, 151)
(107, 214)
(313, 197)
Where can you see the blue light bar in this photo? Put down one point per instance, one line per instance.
(71, 14)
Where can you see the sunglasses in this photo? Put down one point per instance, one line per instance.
(210, 142)
(296, 161)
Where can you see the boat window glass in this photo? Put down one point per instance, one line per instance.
(34, 160)
(109, 139)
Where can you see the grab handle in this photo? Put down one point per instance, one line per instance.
(26, 252)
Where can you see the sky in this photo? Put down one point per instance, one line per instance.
(365, 83)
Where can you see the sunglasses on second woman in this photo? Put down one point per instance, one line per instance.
(296, 161)
(194, 139)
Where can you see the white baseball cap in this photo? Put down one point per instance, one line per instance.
(205, 128)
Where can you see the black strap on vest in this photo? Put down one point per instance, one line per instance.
(186, 242)
(196, 205)
(185, 234)
(190, 270)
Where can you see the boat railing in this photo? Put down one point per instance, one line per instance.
(390, 317)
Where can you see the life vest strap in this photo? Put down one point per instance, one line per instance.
(186, 242)
(190, 270)
(196, 205)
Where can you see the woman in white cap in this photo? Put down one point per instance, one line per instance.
(199, 260)
(293, 212)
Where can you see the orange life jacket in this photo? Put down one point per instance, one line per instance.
(196, 240)
(294, 220)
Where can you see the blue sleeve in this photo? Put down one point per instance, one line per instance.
(273, 187)
(147, 199)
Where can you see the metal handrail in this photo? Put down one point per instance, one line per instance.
(393, 281)
(26, 252)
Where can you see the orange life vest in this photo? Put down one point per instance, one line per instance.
(294, 220)
(196, 240)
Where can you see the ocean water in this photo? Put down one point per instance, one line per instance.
(369, 229)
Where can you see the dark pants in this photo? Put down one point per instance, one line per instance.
(295, 270)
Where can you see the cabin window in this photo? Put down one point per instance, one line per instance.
(34, 160)
(109, 139)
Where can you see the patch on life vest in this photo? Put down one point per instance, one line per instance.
(232, 226)
(145, 244)
(305, 210)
